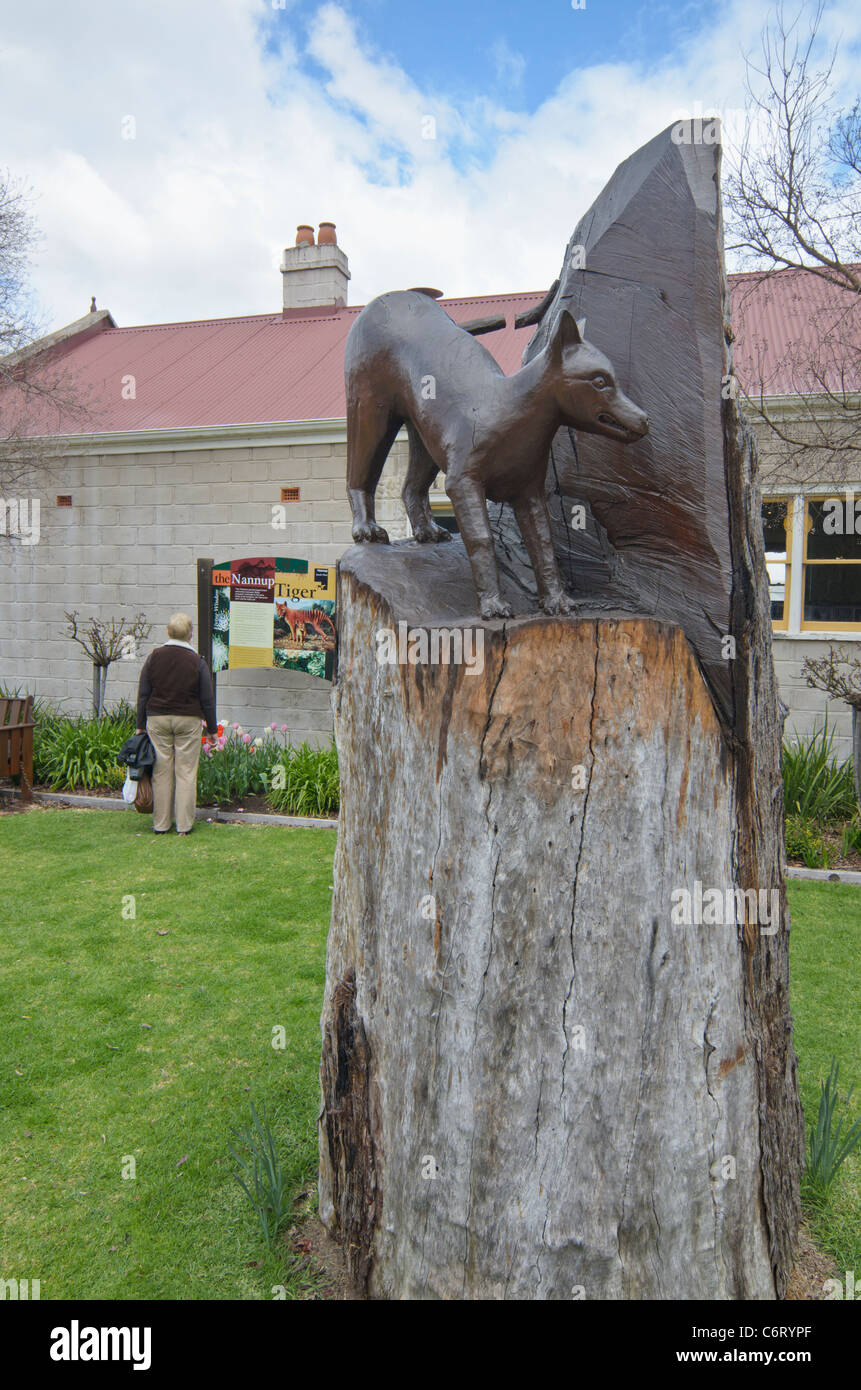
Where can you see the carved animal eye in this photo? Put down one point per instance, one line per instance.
(600, 381)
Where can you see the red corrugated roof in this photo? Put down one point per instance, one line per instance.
(266, 368)
(274, 368)
(796, 334)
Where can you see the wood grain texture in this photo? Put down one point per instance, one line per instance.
(644, 269)
(531, 1021)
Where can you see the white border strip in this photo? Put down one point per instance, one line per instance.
(206, 437)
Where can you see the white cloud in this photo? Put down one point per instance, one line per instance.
(237, 141)
(510, 66)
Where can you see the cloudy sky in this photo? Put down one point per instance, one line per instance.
(174, 145)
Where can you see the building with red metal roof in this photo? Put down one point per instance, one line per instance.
(264, 369)
(196, 438)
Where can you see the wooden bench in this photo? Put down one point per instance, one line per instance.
(16, 742)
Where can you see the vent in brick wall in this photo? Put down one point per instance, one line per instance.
(64, 500)
(289, 494)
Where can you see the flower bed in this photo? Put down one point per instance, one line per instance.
(299, 781)
(237, 769)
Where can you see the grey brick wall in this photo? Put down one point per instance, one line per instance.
(129, 544)
(807, 707)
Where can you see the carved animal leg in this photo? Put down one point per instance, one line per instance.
(421, 472)
(470, 508)
(533, 519)
(371, 431)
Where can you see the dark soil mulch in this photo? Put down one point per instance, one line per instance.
(812, 1268)
(256, 804)
(834, 840)
(324, 1258)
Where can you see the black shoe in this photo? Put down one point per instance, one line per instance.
(159, 832)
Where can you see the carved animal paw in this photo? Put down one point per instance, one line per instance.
(558, 603)
(426, 534)
(495, 608)
(370, 531)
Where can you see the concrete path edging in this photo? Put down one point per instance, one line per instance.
(81, 801)
(826, 875)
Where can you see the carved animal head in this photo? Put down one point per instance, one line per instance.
(587, 393)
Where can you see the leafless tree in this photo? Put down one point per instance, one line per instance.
(106, 641)
(792, 199)
(35, 384)
(839, 675)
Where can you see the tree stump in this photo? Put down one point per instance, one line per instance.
(557, 1057)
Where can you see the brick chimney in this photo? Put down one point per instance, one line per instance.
(315, 275)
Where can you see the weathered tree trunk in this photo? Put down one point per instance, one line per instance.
(541, 1077)
(535, 1082)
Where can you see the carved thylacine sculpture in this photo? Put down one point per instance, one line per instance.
(408, 363)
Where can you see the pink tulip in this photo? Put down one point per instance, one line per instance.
(273, 727)
(283, 728)
(234, 726)
(246, 738)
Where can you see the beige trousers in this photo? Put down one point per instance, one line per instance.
(176, 739)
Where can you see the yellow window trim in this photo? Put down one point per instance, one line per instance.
(782, 624)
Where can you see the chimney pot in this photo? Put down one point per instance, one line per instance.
(314, 276)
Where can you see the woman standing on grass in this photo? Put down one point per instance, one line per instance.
(174, 693)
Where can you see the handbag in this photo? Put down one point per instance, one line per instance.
(143, 796)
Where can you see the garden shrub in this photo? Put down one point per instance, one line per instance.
(305, 782)
(804, 841)
(816, 786)
(81, 751)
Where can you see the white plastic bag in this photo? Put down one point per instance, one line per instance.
(129, 789)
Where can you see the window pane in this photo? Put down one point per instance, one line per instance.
(777, 589)
(446, 521)
(832, 532)
(832, 594)
(774, 516)
(774, 527)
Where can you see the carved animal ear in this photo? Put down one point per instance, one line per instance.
(569, 332)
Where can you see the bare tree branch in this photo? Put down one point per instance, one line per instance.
(37, 389)
(792, 201)
(824, 673)
(106, 640)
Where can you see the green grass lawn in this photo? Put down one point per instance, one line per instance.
(148, 1037)
(119, 1042)
(825, 964)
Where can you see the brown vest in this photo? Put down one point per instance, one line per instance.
(174, 674)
